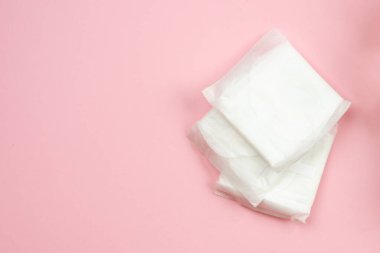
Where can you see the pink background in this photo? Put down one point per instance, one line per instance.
(95, 101)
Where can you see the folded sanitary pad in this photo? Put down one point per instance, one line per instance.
(294, 194)
(245, 170)
(271, 129)
(277, 101)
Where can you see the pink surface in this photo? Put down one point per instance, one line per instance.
(95, 101)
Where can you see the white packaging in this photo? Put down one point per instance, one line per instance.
(233, 156)
(240, 164)
(277, 101)
(293, 196)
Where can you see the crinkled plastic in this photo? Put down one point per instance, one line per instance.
(241, 166)
(277, 101)
(293, 195)
(228, 151)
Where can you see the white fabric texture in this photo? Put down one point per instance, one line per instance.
(294, 194)
(277, 101)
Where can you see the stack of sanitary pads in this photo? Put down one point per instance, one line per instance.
(270, 130)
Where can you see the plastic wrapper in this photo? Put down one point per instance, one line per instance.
(243, 170)
(230, 153)
(277, 101)
(293, 195)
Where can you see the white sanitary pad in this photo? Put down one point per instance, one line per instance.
(293, 195)
(247, 177)
(271, 129)
(277, 101)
